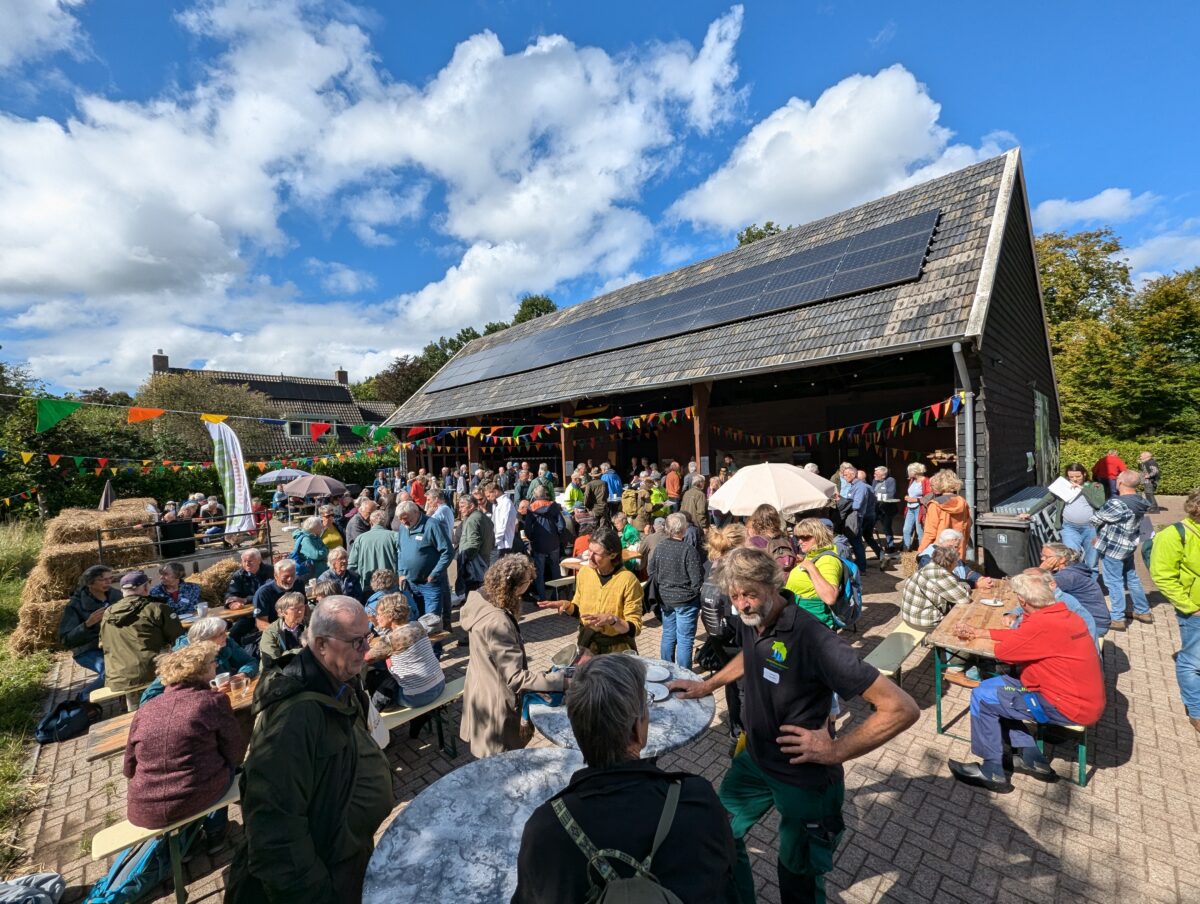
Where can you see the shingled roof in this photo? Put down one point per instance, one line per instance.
(299, 400)
(946, 304)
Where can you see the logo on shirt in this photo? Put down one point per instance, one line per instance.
(778, 653)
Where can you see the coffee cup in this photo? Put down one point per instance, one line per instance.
(221, 682)
(239, 682)
(201, 610)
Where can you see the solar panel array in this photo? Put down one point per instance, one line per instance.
(885, 256)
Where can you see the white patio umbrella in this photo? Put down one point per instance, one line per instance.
(788, 488)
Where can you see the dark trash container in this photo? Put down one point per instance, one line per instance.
(1009, 544)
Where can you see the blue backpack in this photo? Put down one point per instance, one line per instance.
(847, 608)
(138, 871)
(69, 719)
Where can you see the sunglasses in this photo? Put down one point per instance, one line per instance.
(803, 536)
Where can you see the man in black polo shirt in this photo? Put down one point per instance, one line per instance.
(791, 665)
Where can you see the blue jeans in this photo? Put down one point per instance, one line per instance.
(912, 527)
(679, 633)
(93, 661)
(431, 598)
(997, 711)
(1187, 663)
(1118, 575)
(1080, 538)
(422, 699)
(545, 568)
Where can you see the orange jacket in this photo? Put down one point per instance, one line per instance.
(944, 512)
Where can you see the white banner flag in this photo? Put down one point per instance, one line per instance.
(227, 457)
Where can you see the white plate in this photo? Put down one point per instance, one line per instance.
(657, 673)
(658, 691)
(992, 602)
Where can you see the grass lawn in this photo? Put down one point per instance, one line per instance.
(20, 689)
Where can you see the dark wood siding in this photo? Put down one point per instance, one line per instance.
(1012, 362)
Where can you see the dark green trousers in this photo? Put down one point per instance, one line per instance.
(810, 826)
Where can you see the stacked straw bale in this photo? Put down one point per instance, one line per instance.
(70, 548)
(214, 581)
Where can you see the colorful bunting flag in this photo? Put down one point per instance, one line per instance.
(137, 415)
(51, 411)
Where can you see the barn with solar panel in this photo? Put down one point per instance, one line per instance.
(909, 328)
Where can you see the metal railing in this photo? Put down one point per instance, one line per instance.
(178, 539)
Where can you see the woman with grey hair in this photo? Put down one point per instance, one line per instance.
(173, 590)
(230, 657)
(677, 571)
(309, 552)
(340, 574)
(331, 532)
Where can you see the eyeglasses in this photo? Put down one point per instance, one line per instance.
(803, 537)
(361, 643)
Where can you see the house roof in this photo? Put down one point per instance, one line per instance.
(946, 304)
(306, 399)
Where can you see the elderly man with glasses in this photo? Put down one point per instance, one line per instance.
(315, 786)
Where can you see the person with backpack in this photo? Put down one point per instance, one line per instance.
(1175, 568)
(764, 530)
(791, 665)
(624, 829)
(816, 580)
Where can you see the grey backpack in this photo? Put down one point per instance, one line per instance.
(643, 886)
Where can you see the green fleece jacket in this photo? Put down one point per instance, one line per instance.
(1175, 565)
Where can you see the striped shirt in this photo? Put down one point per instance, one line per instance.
(416, 668)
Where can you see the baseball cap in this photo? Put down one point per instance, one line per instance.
(134, 579)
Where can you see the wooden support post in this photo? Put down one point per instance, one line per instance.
(566, 440)
(473, 460)
(701, 393)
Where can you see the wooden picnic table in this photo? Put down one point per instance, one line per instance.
(111, 736)
(978, 615)
(220, 612)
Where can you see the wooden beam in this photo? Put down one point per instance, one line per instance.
(567, 444)
(473, 459)
(701, 435)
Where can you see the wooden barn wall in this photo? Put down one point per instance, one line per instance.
(1013, 361)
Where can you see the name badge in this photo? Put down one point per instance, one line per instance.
(419, 537)
(773, 677)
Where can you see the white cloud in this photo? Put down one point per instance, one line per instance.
(865, 137)
(139, 224)
(1113, 205)
(34, 28)
(338, 279)
(1162, 254)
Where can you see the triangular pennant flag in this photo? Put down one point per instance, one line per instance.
(136, 415)
(78, 459)
(99, 471)
(26, 457)
(415, 431)
(916, 417)
(51, 411)
(954, 405)
(53, 459)
(937, 410)
(895, 418)
(103, 462)
(316, 431)
(361, 430)
(214, 418)
(114, 470)
(379, 433)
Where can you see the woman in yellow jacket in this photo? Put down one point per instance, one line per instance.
(608, 599)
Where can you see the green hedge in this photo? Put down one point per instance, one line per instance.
(1179, 459)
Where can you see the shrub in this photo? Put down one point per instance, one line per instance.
(20, 542)
(1179, 459)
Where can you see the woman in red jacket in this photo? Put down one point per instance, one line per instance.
(184, 746)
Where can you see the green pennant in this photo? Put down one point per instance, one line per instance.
(78, 460)
(516, 431)
(379, 433)
(361, 430)
(51, 411)
(916, 416)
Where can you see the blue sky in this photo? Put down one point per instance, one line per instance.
(294, 186)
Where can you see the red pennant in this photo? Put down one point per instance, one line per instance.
(103, 461)
(316, 431)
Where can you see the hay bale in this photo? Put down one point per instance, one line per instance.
(214, 581)
(62, 565)
(124, 514)
(37, 626)
(73, 525)
(130, 551)
(37, 587)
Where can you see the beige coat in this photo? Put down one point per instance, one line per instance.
(497, 674)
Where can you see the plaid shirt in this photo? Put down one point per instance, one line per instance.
(1118, 527)
(929, 594)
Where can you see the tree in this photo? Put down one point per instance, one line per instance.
(102, 396)
(184, 436)
(532, 307)
(754, 232)
(365, 391)
(400, 379)
(1082, 276)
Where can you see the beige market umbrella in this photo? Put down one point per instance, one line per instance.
(788, 488)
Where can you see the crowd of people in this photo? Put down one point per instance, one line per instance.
(347, 624)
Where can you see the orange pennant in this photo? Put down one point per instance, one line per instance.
(145, 414)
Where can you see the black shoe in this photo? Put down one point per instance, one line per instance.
(216, 842)
(972, 774)
(1039, 769)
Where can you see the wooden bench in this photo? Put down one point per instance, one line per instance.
(394, 718)
(125, 835)
(104, 694)
(889, 656)
(560, 584)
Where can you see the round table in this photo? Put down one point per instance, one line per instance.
(457, 842)
(673, 722)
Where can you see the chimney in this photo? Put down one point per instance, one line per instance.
(159, 363)
(340, 375)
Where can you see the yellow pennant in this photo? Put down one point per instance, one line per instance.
(214, 418)
(26, 456)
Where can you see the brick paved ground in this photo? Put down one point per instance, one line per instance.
(913, 834)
